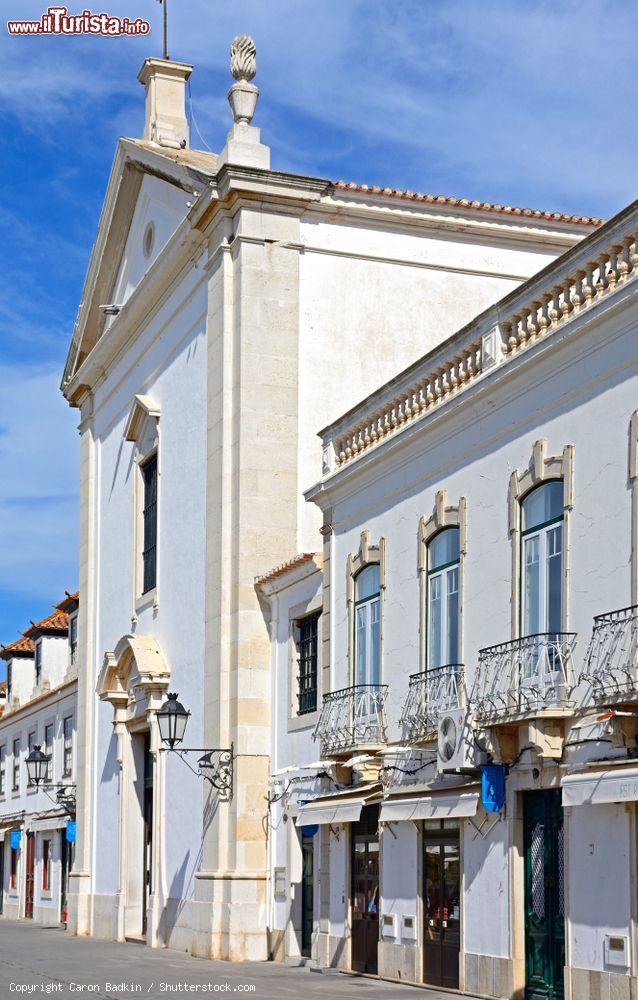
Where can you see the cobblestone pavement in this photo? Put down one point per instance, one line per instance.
(36, 961)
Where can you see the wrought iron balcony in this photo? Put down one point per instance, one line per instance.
(523, 677)
(611, 663)
(352, 717)
(431, 692)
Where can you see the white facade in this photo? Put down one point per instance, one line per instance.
(539, 389)
(34, 873)
(247, 304)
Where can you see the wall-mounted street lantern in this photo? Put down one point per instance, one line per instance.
(216, 766)
(37, 770)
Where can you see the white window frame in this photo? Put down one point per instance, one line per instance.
(368, 606)
(442, 576)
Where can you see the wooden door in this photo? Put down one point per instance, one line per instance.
(307, 893)
(365, 891)
(64, 875)
(29, 882)
(441, 903)
(544, 895)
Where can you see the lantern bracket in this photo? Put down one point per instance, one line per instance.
(214, 766)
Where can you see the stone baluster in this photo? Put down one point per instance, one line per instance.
(633, 254)
(602, 284)
(554, 310)
(612, 272)
(387, 426)
(518, 334)
(588, 284)
(511, 342)
(366, 436)
(577, 295)
(566, 305)
(543, 318)
(454, 378)
(429, 395)
(625, 264)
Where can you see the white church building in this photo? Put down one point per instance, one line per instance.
(230, 311)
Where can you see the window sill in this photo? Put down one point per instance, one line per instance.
(46, 895)
(148, 600)
(297, 723)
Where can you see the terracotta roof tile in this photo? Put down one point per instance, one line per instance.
(454, 202)
(57, 621)
(69, 603)
(285, 567)
(24, 645)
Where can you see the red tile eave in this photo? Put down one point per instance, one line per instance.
(467, 203)
(24, 646)
(286, 567)
(57, 621)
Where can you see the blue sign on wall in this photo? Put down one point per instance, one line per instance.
(493, 787)
(70, 831)
(15, 839)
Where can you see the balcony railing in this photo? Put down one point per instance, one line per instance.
(527, 675)
(431, 692)
(352, 717)
(611, 663)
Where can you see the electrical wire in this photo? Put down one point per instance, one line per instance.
(194, 120)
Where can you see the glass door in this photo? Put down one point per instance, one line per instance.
(307, 893)
(544, 895)
(365, 891)
(442, 903)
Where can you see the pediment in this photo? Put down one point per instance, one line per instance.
(142, 420)
(136, 662)
(147, 197)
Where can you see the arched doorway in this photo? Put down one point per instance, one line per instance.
(134, 679)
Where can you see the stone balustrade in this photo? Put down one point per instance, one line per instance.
(592, 270)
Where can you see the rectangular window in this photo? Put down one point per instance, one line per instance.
(2, 775)
(73, 639)
(67, 770)
(46, 865)
(48, 749)
(31, 738)
(9, 680)
(307, 647)
(16, 766)
(13, 869)
(149, 518)
(38, 662)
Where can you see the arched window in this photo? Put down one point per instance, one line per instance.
(443, 598)
(542, 559)
(367, 625)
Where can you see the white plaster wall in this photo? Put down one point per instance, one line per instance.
(486, 888)
(339, 880)
(582, 395)
(167, 363)
(22, 678)
(161, 204)
(400, 886)
(601, 885)
(369, 319)
(55, 659)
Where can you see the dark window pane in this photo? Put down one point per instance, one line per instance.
(543, 504)
(149, 516)
(307, 646)
(444, 548)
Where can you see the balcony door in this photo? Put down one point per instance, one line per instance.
(367, 646)
(443, 599)
(365, 890)
(542, 580)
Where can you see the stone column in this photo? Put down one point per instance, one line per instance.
(80, 879)
(252, 493)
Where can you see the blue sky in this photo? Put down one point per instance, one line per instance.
(517, 102)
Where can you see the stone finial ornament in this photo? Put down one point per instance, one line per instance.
(243, 95)
(243, 64)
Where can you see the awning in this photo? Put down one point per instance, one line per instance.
(597, 787)
(440, 805)
(49, 823)
(344, 807)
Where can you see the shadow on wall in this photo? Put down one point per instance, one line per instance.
(111, 768)
(181, 888)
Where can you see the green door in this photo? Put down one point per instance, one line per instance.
(544, 895)
(307, 893)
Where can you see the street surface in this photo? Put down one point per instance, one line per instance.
(38, 961)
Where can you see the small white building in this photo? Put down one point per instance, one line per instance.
(230, 309)
(37, 829)
(466, 816)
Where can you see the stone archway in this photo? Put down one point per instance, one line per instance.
(134, 679)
